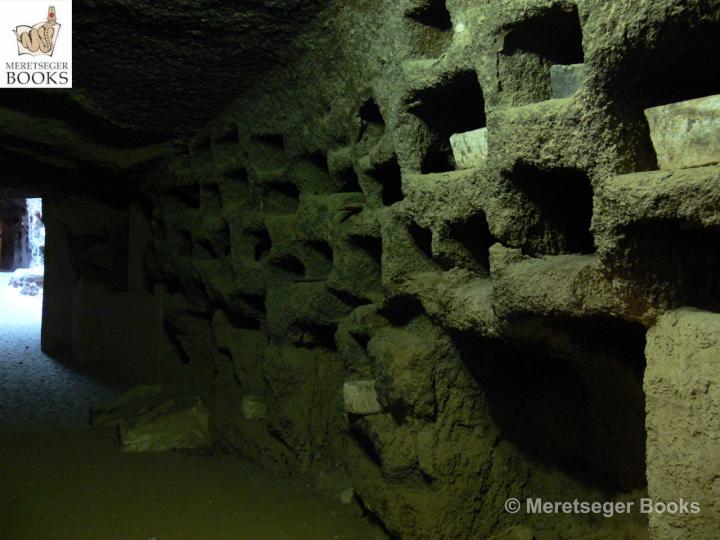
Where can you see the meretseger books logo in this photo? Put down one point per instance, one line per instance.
(36, 52)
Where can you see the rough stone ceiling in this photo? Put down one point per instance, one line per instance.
(171, 64)
(160, 69)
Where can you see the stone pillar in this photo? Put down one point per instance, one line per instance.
(59, 282)
(139, 233)
(13, 216)
(682, 387)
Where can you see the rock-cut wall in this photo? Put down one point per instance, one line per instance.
(14, 245)
(421, 261)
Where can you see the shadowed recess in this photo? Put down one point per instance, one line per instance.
(563, 200)
(456, 105)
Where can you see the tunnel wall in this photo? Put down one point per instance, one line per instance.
(14, 244)
(99, 311)
(441, 336)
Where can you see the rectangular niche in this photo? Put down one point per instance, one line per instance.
(456, 105)
(557, 205)
(531, 46)
(432, 28)
(574, 403)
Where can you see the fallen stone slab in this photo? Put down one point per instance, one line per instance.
(566, 80)
(181, 423)
(470, 148)
(127, 404)
(686, 134)
(360, 397)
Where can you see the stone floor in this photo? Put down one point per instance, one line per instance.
(63, 481)
(35, 390)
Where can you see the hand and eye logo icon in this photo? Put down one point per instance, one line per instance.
(39, 39)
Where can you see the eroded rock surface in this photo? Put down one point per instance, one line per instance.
(683, 405)
(321, 231)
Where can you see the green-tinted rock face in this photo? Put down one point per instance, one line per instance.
(477, 309)
(357, 295)
(178, 62)
(682, 395)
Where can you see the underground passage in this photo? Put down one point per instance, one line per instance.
(401, 270)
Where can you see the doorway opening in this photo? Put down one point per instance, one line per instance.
(22, 244)
(22, 259)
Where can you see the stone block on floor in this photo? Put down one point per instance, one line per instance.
(127, 404)
(175, 424)
(687, 133)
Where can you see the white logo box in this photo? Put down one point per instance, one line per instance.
(35, 43)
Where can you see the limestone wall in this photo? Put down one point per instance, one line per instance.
(681, 383)
(99, 310)
(320, 232)
(14, 245)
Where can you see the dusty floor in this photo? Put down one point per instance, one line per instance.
(59, 480)
(35, 391)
